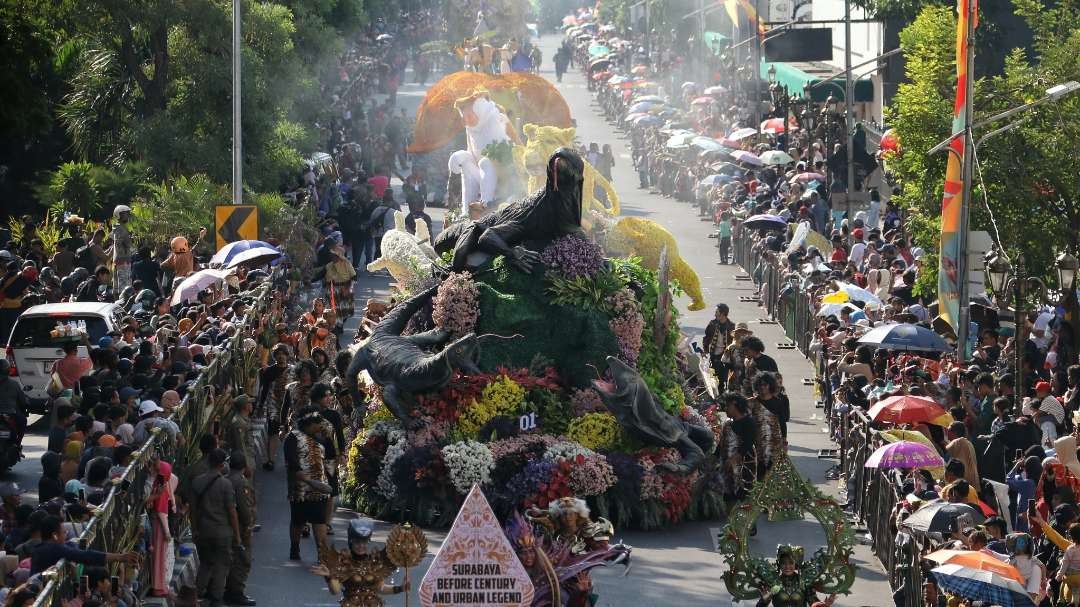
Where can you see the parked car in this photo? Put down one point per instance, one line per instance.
(32, 347)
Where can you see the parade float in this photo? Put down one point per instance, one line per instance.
(525, 358)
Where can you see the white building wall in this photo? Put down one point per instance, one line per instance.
(866, 43)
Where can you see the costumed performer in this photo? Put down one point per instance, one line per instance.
(359, 573)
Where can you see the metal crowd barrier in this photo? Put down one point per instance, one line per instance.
(871, 494)
(117, 524)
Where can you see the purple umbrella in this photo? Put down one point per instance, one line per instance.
(747, 158)
(904, 454)
(765, 222)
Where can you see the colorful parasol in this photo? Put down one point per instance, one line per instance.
(976, 559)
(980, 585)
(907, 409)
(904, 454)
(895, 435)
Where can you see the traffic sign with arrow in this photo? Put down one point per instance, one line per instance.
(233, 222)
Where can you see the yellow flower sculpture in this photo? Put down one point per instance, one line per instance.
(532, 158)
(501, 397)
(596, 431)
(632, 236)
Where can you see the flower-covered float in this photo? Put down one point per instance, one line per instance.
(537, 367)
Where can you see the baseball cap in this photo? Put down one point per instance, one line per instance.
(1042, 386)
(10, 488)
(148, 406)
(105, 341)
(127, 392)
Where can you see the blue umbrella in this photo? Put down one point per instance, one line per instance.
(981, 585)
(643, 106)
(227, 252)
(707, 143)
(649, 121)
(905, 337)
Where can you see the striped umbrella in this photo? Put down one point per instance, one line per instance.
(979, 585)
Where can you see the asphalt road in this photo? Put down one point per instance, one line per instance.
(677, 566)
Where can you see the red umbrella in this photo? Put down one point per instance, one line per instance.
(906, 409)
(639, 70)
(601, 75)
(773, 125)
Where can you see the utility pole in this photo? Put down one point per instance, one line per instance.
(965, 190)
(849, 116)
(755, 101)
(237, 150)
(701, 44)
(648, 34)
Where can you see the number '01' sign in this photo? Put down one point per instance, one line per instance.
(527, 422)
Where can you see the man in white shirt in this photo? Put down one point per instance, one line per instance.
(1040, 331)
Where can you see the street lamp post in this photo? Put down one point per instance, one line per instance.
(1005, 277)
(1053, 94)
(237, 147)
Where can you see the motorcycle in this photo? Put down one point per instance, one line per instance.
(11, 437)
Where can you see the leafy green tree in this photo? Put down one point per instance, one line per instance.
(921, 113)
(72, 188)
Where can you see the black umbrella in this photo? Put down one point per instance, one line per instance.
(938, 516)
(766, 222)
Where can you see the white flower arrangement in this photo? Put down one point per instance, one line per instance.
(396, 446)
(567, 450)
(468, 462)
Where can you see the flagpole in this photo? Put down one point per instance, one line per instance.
(965, 190)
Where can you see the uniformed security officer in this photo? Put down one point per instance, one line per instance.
(236, 583)
(238, 432)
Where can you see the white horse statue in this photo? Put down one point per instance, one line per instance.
(486, 124)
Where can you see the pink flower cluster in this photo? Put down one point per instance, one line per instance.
(457, 304)
(627, 323)
(519, 444)
(652, 485)
(586, 401)
(572, 256)
(591, 475)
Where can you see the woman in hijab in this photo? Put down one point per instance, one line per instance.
(161, 504)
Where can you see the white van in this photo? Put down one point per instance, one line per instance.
(32, 350)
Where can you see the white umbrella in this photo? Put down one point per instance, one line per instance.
(264, 254)
(188, 289)
(742, 133)
(857, 293)
(833, 309)
(776, 157)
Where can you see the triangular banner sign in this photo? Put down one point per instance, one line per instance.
(476, 564)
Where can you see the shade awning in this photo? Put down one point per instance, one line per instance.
(795, 76)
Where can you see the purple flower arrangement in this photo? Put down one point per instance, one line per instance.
(572, 256)
(585, 401)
